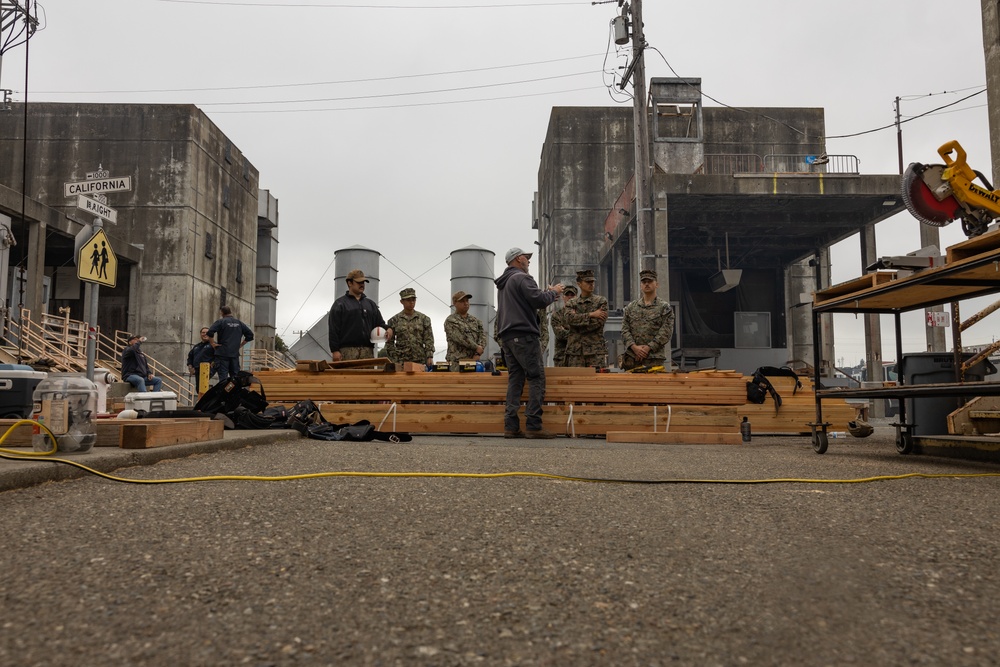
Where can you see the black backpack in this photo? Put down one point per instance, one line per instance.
(306, 418)
(234, 399)
(759, 386)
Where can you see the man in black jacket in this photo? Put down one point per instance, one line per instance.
(232, 335)
(135, 368)
(202, 353)
(518, 301)
(351, 320)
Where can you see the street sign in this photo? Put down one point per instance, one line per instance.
(95, 207)
(96, 261)
(120, 184)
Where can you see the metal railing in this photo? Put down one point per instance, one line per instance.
(811, 164)
(751, 163)
(260, 359)
(732, 163)
(63, 343)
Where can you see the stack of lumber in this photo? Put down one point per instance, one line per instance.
(693, 407)
(563, 385)
(558, 418)
(132, 433)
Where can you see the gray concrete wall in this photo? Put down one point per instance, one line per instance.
(586, 161)
(991, 48)
(188, 182)
(734, 131)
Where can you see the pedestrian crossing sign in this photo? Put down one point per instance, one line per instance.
(96, 262)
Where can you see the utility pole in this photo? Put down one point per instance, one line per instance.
(643, 173)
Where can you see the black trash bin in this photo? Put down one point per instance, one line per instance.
(930, 413)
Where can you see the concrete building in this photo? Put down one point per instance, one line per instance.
(752, 191)
(187, 232)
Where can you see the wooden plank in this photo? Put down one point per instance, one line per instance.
(972, 247)
(667, 388)
(587, 420)
(859, 284)
(675, 438)
(149, 433)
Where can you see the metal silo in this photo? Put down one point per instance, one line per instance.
(314, 344)
(472, 272)
(357, 257)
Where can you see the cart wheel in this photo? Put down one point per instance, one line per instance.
(904, 443)
(820, 443)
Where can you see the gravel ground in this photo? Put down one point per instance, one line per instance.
(513, 570)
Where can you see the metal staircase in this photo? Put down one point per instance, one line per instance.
(61, 344)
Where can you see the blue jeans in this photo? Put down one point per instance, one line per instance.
(139, 382)
(524, 362)
(226, 366)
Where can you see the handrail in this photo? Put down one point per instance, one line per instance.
(262, 358)
(64, 342)
(775, 163)
(809, 164)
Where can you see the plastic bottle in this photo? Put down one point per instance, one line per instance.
(745, 429)
(837, 434)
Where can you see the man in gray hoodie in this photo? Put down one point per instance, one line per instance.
(518, 301)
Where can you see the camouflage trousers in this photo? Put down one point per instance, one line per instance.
(586, 360)
(350, 353)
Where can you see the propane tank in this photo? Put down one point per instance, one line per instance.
(65, 403)
(745, 429)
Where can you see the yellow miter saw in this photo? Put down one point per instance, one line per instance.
(936, 194)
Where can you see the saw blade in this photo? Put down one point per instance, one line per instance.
(920, 198)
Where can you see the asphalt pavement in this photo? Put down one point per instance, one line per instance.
(673, 561)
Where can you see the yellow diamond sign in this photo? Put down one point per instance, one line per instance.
(96, 262)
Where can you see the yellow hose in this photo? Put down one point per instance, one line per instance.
(13, 455)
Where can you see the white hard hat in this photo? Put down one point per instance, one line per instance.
(378, 335)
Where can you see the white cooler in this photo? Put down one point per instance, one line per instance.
(151, 400)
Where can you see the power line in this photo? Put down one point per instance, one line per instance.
(391, 95)
(283, 5)
(411, 105)
(316, 83)
(927, 113)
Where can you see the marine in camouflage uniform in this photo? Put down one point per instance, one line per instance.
(585, 346)
(412, 335)
(465, 333)
(647, 326)
(560, 327)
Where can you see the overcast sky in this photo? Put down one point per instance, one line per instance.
(414, 127)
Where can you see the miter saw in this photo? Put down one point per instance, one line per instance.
(936, 194)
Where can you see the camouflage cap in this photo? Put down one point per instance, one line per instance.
(357, 275)
(586, 274)
(408, 293)
(647, 273)
(459, 295)
(569, 290)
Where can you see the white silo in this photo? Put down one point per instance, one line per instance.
(472, 272)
